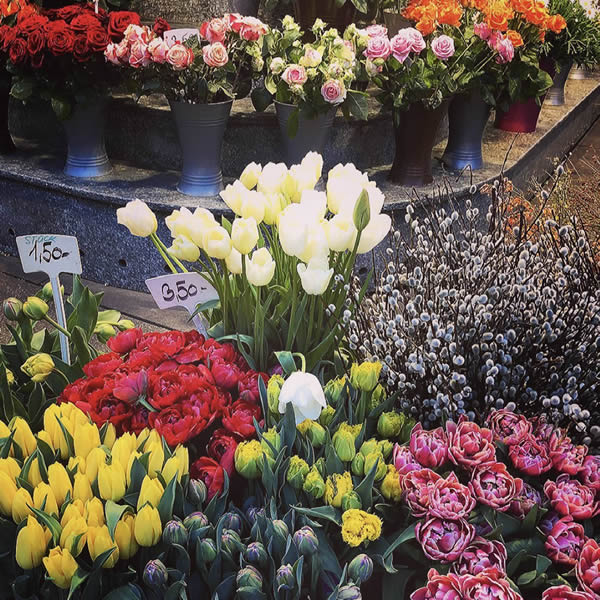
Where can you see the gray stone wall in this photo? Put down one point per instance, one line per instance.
(180, 12)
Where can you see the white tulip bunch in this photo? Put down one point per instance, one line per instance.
(289, 252)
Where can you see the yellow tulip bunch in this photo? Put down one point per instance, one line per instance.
(65, 480)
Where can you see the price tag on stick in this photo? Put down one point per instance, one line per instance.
(182, 289)
(53, 255)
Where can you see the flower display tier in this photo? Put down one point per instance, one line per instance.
(143, 146)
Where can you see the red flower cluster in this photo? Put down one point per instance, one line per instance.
(76, 31)
(177, 383)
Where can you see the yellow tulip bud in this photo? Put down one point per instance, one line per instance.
(111, 481)
(4, 430)
(364, 377)
(390, 486)
(60, 482)
(23, 436)
(133, 456)
(156, 458)
(183, 456)
(244, 235)
(147, 527)
(34, 476)
(82, 490)
(110, 436)
(9, 489)
(73, 510)
(53, 429)
(44, 499)
(94, 512)
(77, 464)
(61, 567)
(72, 530)
(124, 536)
(172, 467)
(38, 367)
(44, 436)
(86, 437)
(20, 506)
(10, 466)
(10, 377)
(143, 436)
(99, 541)
(151, 492)
(35, 308)
(31, 545)
(95, 459)
(123, 448)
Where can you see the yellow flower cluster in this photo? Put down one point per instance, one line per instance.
(62, 483)
(359, 526)
(336, 487)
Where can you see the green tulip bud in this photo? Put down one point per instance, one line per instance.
(362, 212)
(351, 500)
(197, 492)
(306, 541)
(232, 521)
(326, 416)
(231, 542)
(285, 579)
(360, 568)
(249, 459)
(344, 445)
(280, 529)
(390, 424)
(35, 308)
(13, 309)
(104, 331)
(373, 458)
(364, 377)
(358, 464)
(297, 472)
(386, 447)
(321, 467)
(256, 554)
(155, 574)
(249, 577)
(125, 324)
(370, 446)
(314, 484)
(349, 592)
(334, 391)
(274, 440)
(206, 551)
(196, 520)
(316, 434)
(175, 533)
(46, 292)
(377, 397)
(273, 390)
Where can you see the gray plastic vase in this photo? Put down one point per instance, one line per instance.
(555, 96)
(201, 128)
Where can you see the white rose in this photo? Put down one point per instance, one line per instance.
(272, 177)
(138, 218)
(304, 392)
(250, 175)
(244, 235)
(234, 262)
(261, 268)
(341, 233)
(315, 276)
(374, 233)
(217, 243)
(183, 248)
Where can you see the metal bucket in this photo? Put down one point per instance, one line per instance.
(581, 73)
(6, 143)
(556, 94)
(311, 135)
(200, 128)
(247, 8)
(86, 151)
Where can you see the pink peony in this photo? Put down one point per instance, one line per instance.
(506, 51)
(417, 41)
(481, 554)
(590, 473)
(401, 46)
(588, 568)
(549, 520)
(494, 486)
(570, 497)
(530, 456)
(416, 488)
(333, 91)
(565, 541)
(215, 30)
(443, 47)
(404, 461)
(430, 448)
(439, 587)
(158, 50)
(469, 445)
(565, 456)
(444, 539)
(507, 427)
(564, 592)
(450, 499)
(378, 47)
(482, 30)
(139, 55)
(490, 584)
(525, 501)
(295, 75)
(215, 55)
(377, 31)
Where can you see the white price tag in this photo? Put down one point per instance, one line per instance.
(178, 36)
(53, 255)
(182, 289)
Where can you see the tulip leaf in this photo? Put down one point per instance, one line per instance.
(6, 411)
(365, 488)
(527, 578)
(137, 473)
(249, 593)
(405, 536)
(515, 561)
(126, 592)
(529, 522)
(542, 563)
(333, 464)
(103, 557)
(329, 513)
(68, 437)
(19, 345)
(81, 346)
(287, 429)
(226, 589)
(216, 507)
(50, 522)
(395, 584)
(113, 512)
(287, 361)
(510, 526)
(165, 506)
(78, 578)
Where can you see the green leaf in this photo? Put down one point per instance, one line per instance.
(61, 108)
(358, 105)
(365, 488)
(287, 362)
(78, 578)
(22, 88)
(514, 563)
(542, 563)
(165, 506)
(405, 536)
(81, 345)
(329, 513)
(102, 558)
(209, 305)
(126, 592)
(261, 98)
(530, 521)
(50, 522)
(113, 513)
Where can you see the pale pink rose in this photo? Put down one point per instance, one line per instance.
(378, 47)
(158, 50)
(482, 30)
(137, 33)
(295, 75)
(417, 41)
(443, 47)
(139, 55)
(333, 91)
(250, 29)
(377, 31)
(111, 54)
(215, 55)
(180, 57)
(401, 46)
(215, 30)
(506, 51)
(122, 52)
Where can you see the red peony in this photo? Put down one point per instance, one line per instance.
(248, 386)
(60, 38)
(530, 456)
(488, 585)
(430, 448)
(570, 497)
(479, 555)
(239, 418)
(165, 389)
(105, 363)
(445, 587)
(416, 488)
(588, 568)
(211, 473)
(221, 447)
(469, 445)
(565, 541)
(118, 22)
(162, 345)
(564, 592)
(494, 486)
(181, 422)
(226, 374)
(450, 499)
(444, 539)
(125, 341)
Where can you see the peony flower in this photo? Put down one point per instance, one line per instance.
(530, 456)
(444, 539)
(215, 55)
(304, 392)
(469, 445)
(444, 587)
(401, 45)
(507, 426)
(525, 501)
(479, 555)
(404, 461)
(488, 585)
(494, 486)
(590, 473)
(564, 592)
(416, 487)
(430, 448)
(449, 499)
(334, 91)
(180, 57)
(588, 568)
(295, 75)
(569, 497)
(565, 456)
(378, 47)
(565, 541)
(443, 47)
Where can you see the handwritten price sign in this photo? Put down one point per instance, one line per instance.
(186, 290)
(178, 36)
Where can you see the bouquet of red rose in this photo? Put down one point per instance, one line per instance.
(180, 384)
(58, 54)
